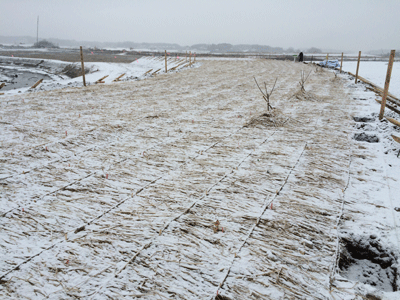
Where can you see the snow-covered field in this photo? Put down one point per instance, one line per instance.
(182, 186)
(375, 71)
(54, 70)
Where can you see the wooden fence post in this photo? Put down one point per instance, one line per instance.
(83, 68)
(165, 61)
(358, 65)
(341, 63)
(190, 56)
(387, 81)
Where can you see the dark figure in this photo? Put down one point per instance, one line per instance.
(301, 57)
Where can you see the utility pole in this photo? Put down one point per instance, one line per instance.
(37, 31)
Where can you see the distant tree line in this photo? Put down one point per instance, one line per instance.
(219, 48)
(397, 54)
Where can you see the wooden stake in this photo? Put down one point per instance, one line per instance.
(387, 81)
(397, 139)
(393, 121)
(389, 106)
(165, 61)
(36, 84)
(117, 79)
(148, 72)
(358, 65)
(341, 63)
(190, 56)
(83, 68)
(327, 56)
(101, 80)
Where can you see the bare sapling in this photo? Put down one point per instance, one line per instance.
(266, 95)
(303, 79)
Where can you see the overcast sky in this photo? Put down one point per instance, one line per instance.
(328, 24)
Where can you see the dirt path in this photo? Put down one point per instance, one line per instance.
(114, 190)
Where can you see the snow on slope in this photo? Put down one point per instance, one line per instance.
(134, 70)
(375, 71)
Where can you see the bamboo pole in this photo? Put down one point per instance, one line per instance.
(83, 68)
(358, 65)
(118, 78)
(393, 121)
(37, 83)
(165, 61)
(341, 63)
(148, 71)
(389, 106)
(387, 81)
(101, 79)
(397, 139)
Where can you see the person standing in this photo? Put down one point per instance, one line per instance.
(301, 57)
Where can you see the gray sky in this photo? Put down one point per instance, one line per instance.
(336, 24)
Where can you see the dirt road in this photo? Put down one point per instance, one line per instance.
(116, 190)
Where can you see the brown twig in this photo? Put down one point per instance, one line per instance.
(303, 80)
(267, 95)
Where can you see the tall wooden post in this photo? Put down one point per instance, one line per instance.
(358, 64)
(186, 55)
(190, 56)
(341, 63)
(387, 81)
(165, 61)
(83, 68)
(327, 57)
(194, 57)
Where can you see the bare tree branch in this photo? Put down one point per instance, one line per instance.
(274, 86)
(259, 87)
(303, 80)
(266, 95)
(307, 77)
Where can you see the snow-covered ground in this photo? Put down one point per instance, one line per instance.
(54, 70)
(375, 71)
(183, 186)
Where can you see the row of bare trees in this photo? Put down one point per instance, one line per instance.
(267, 95)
